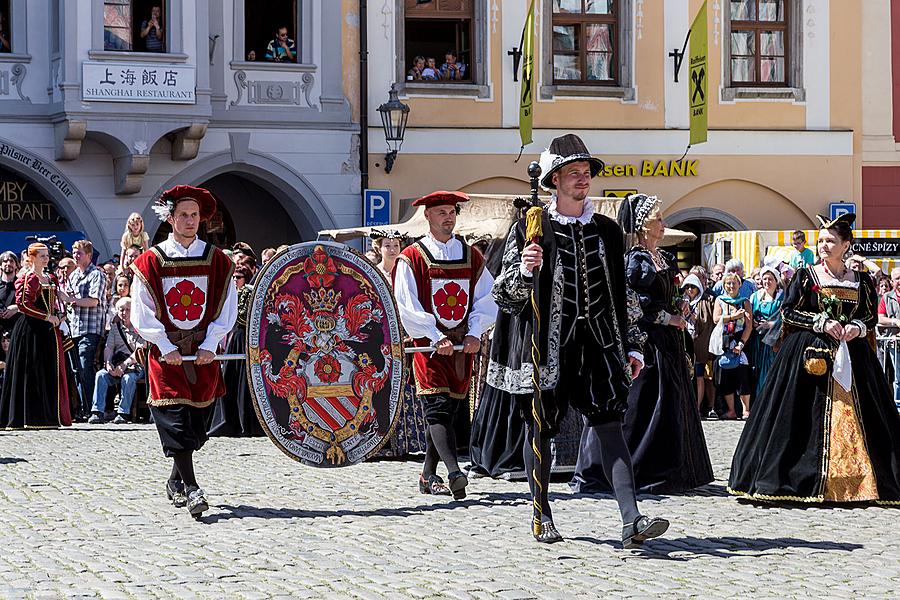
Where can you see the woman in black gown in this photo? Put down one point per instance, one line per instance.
(35, 393)
(662, 425)
(233, 414)
(824, 427)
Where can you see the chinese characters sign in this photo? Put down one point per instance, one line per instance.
(117, 82)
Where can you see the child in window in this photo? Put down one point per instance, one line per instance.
(415, 74)
(430, 72)
(134, 234)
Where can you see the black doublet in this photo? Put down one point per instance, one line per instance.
(585, 292)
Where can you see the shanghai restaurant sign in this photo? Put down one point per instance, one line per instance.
(122, 82)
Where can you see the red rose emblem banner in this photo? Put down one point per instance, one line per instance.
(185, 301)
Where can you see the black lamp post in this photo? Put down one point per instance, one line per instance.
(394, 115)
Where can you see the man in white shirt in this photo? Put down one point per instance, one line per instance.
(443, 293)
(184, 302)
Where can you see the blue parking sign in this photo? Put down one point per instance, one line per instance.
(836, 209)
(376, 207)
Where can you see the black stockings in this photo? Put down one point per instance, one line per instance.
(440, 443)
(616, 460)
(183, 469)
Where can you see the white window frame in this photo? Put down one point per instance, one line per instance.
(479, 87)
(304, 31)
(794, 89)
(625, 51)
(18, 26)
(174, 32)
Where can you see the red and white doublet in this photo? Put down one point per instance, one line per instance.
(184, 299)
(443, 290)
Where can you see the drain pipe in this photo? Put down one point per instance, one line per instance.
(363, 103)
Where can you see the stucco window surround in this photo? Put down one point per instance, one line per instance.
(794, 90)
(624, 51)
(17, 25)
(174, 27)
(480, 86)
(305, 34)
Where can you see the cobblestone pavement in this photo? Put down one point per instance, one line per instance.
(83, 514)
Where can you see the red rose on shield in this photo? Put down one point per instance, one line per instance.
(450, 302)
(185, 301)
(319, 268)
(327, 369)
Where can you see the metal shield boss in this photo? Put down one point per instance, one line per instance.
(324, 354)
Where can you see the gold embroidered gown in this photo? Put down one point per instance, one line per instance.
(808, 439)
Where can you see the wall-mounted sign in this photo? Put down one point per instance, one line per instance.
(650, 168)
(618, 193)
(836, 209)
(23, 207)
(140, 82)
(36, 166)
(876, 247)
(376, 207)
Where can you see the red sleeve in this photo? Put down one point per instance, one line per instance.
(882, 307)
(27, 290)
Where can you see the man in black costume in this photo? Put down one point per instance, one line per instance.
(589, 351)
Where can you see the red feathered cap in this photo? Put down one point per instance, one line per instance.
(441, 199)
(201, 196)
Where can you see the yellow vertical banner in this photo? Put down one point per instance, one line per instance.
(699, 77)
(526, 104)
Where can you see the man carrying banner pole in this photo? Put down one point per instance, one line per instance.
(587, 354)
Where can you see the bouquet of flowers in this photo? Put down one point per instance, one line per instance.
(831, 305)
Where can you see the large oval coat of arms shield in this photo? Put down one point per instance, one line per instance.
(325, 358)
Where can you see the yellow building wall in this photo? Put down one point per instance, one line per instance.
(651, 60)
(762, 192)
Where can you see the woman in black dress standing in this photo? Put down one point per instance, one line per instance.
(662, 425)
(824, 427)
(234, 415)
(35, 393)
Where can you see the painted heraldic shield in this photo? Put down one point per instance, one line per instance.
(324, 354)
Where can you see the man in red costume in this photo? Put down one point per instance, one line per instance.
(184, 303)
(444, 298)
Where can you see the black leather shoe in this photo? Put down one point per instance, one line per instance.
(643, 529)
(458, 483)
(434, 485)
(546, 533)
(175, 493)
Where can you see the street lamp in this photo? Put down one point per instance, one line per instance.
(394, 115)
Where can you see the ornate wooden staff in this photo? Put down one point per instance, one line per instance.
(533, 234)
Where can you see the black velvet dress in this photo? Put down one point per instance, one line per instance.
(35, 393)
(808, 439)
(661, 425)
(233, 414)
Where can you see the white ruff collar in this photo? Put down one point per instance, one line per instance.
(586, 213)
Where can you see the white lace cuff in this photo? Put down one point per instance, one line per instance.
(819, 322)
(863, 330)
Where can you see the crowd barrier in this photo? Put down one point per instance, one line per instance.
(888, 353)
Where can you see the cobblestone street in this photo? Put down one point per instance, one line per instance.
(83, 514)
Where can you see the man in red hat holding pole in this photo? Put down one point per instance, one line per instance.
(444, 298)
(184, 302)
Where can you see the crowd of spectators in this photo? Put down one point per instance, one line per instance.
(733, 322)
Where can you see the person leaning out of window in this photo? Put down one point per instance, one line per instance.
(152, 31)
(282, 48)
(452, 70)
(4, 35)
